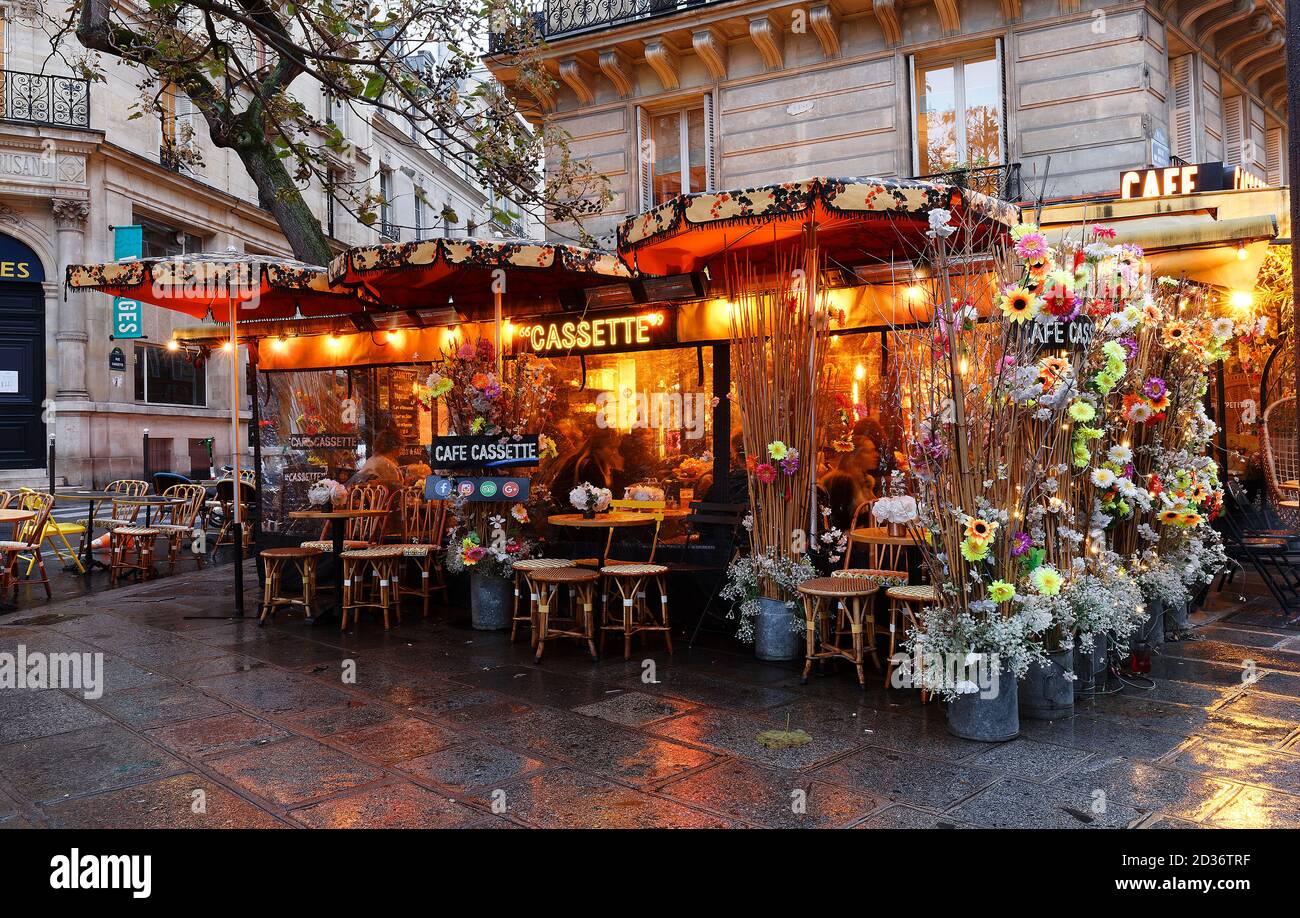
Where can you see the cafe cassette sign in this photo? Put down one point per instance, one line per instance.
(597, 333)
(1075, 335)
(438, 487)
(484, 452)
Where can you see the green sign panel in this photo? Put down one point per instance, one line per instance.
(128, 242)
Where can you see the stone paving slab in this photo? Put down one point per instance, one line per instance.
(433, 724)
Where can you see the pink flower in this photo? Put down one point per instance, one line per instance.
(1102, 232)
(467, 351)
(1032, 247)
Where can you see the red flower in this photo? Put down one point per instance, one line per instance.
(766, 472)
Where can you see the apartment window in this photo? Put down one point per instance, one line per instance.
(331, 189)
(164, 377)
(1234, 131)
(1182, 99)
(1274, 151)
(675, 151)
(957, 112)
(177, 123)
(162, 241)
(419, 213)
(386, 226)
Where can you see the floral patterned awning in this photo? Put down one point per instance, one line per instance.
(201, 284)
(858, 219)
(405, 275)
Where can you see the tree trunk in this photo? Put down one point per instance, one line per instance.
(278, 193)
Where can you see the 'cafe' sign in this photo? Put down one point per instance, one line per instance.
(596, 332)
(1169, 181)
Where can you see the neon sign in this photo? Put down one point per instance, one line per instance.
(621, 331)
(1186, 179)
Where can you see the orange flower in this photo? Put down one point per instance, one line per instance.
(980, 531)
(1175, 333)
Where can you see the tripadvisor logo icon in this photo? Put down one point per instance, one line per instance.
(103, 871)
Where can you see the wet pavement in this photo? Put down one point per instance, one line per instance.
(208, 722)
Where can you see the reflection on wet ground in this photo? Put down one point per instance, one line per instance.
(433, 724)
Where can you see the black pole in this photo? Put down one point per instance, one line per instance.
(1293, 167)
(145, 464)
(50, 463)
(722, 424)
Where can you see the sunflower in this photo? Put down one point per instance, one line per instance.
(1051, 370)
(1175, 333)
(1019, 304)
(1159, 404)
(980, 531)
(1169, 517)
(1190, 518)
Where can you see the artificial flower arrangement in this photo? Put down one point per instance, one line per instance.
(590, 499)
(326, 493)
(896, 509)
(508, 401)
(645, 491)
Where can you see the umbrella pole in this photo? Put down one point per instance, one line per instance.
(238, 528)
(496, 308)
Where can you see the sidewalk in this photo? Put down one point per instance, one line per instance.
(208, 722)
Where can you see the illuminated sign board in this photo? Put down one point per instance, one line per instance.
(597, 332)
(1187, 179)
(323, 441)
(483, 452)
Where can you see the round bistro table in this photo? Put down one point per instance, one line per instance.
(614, 519)
(337, 520)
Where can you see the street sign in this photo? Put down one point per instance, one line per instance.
(128, 243)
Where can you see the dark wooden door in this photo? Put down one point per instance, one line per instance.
(22, 376)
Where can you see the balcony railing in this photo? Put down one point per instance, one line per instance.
(997, 181)
(563, 17)
(38, 98)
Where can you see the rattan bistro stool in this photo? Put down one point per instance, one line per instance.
(581, 581)
(522, 569)
(131, 549)
(380, 564)
(849, 594)
(275, 559)
(900, 601)
(629, 581)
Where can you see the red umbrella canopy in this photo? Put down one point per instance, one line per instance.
(413, 275)
(262, 288)
(858, 220)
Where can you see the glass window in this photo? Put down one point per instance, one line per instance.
(164, 377)
(958, 114)
(161, 241)
(678, 138)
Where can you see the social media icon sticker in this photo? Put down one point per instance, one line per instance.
(488, 489)
(510, 489)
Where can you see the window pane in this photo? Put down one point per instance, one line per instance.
(695, 141)
(983, 114)
(936, 122)
(171, 378)
(666, 134)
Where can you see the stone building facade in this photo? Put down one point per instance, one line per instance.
(1050, 97)
(73, 165)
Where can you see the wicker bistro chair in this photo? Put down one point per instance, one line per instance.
(825, 642)
(181, 520)
(581, 581)
(362, 531)
(382, 563)
(26, 545)
(423, 525)
(522, 570)
(276, 559)
(5, 497)
(56, 532)
(636, 615)
(906, 600)
(131, 549)
(224, 499)
(1281, 462)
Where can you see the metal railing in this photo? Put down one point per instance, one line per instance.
(564, 17)
(38, 98)
(996, 181)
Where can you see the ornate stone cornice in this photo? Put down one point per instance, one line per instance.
(767, 38)
(1271, 45)
(711, 46)
(1242, 9)
(663, 60)
(826, 25)
(574, 76)
(70, 213)
(1234, 40)
(616, 69)
(949, 17)
(887, 16)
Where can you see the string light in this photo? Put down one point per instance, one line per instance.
(279, 344)
(1241, 251)
(226, 346)
(1241, 299)
(173, 345)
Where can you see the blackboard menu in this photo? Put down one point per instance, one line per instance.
(402, 405)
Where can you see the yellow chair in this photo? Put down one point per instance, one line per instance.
(56, 532)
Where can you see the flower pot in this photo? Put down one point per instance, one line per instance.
(995, 719)
(491, 602)
(589, 514)
(776, 635)
(1046, 693)
(1091, 664)
(895, 530)
(1152, 630)
(1176, 618)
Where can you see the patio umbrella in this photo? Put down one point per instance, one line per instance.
(855, 219)
(210, 285)
(473, 272)
(842, 220)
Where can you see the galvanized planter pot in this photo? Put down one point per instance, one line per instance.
(1046, 693)
(987, 720)
(776, 637)
(490, 602)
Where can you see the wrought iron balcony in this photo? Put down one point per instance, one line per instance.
(557, 18)
(38, 98)
(997, 181)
